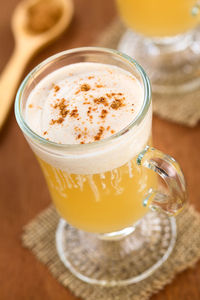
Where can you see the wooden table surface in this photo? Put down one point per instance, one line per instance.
(23, 190)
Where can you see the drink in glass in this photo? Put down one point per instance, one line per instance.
(157, 18)
(86, 114)
(163, 36)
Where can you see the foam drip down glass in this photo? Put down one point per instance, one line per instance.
(164, 37)
(108, 190)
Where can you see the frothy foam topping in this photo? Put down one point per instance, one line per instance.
(83, 103)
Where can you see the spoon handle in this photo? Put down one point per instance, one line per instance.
(10, 78)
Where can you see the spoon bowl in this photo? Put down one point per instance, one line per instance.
(28, 42)
(20, 17)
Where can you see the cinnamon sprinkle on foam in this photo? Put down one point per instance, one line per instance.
(56, 88)
(99, 134)
(85, 87)
(73, 111)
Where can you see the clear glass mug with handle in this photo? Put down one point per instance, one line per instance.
(104, 189)
(164, 37)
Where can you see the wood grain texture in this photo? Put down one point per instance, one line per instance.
(23, 190)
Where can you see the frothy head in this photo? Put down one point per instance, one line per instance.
(83, 103)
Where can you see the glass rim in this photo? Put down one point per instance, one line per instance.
(33, 135)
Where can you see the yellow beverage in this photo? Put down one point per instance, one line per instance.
(88, 122)
(100, 203)
(159, 18)
(97, 187)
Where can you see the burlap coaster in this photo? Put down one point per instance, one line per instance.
(179, 109)
(39, 237)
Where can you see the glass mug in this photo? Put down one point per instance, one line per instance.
(157, 18)
(104, 189)
(164, 37)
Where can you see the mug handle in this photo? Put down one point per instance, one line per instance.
(169, 170)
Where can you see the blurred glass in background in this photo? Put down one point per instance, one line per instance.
(163, 36)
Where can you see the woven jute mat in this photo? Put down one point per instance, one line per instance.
(39, 237)
(183, 108)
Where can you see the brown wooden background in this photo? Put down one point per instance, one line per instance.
(23, 192)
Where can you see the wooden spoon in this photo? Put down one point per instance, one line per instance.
(27, 43)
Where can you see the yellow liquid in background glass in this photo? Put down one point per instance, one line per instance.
(159, 18)
(100, 203)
